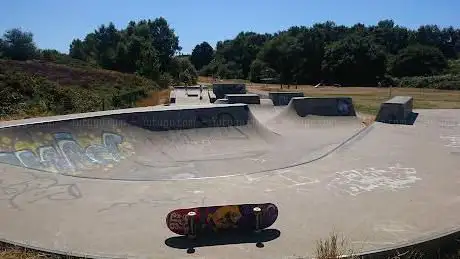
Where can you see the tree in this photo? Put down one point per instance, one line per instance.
(183, 71)
(260, 72)
(18, 45)
(77, 50)
(418, 60)
(282, 54)
(202, 55)
(145, 48)
(354, 60)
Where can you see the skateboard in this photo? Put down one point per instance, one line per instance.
(217, 219)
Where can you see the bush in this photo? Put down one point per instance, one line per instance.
(418, 60)
(443, 82)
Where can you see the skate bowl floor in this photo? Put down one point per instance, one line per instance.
(101, 184)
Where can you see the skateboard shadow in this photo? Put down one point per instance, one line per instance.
(213, 239)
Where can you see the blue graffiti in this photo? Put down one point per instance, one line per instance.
(66, 154)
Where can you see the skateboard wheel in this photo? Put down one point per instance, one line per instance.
(191, 224)
(257, 211)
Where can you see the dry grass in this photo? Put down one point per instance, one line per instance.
(156, 98)
(368, 99)
(333, 247)
(15, 252)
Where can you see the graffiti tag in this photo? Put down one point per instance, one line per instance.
(358, 181)
(65, 154)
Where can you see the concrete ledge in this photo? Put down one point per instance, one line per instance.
(155, 118)
(323, 106)
(192, 95)
(199, 117)
(220, 90)
(283, 98)
(397, 110)
(243, 98)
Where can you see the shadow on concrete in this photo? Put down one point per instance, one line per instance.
(214, 239)
(438, 246)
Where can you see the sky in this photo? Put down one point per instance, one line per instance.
(55, 23)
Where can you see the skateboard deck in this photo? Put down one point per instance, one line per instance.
(222, 218)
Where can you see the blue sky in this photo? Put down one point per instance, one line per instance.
(55, 23)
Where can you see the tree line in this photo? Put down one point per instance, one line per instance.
(324, 52)
(145, 48)
(332, 54)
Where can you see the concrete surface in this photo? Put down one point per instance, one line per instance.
(381, 186)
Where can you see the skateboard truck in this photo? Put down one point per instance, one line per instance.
(258, 212)
(191, 224)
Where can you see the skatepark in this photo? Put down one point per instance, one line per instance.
(101, 184)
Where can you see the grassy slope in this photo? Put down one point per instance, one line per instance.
(82, 88)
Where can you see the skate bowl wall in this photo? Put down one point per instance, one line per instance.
(100, 140)
(243, 98)
(220, 90)
(322, 106)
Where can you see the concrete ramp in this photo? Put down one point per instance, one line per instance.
(163, 143)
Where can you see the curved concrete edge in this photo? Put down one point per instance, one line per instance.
(156, 117)
(69, 255)
(429, 247)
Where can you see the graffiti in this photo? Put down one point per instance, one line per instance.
(358, 181)
(342, 107)
(224, 217)
(33, 188)
(177, 221)
(453, 141)
(65, 154)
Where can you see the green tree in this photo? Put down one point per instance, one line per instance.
(202, 55)
(418, 60)
(354, 60)
(282, 54)
(183, 71)
(18, 45)
(145, 48)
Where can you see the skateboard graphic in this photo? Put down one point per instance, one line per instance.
(216, 219)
